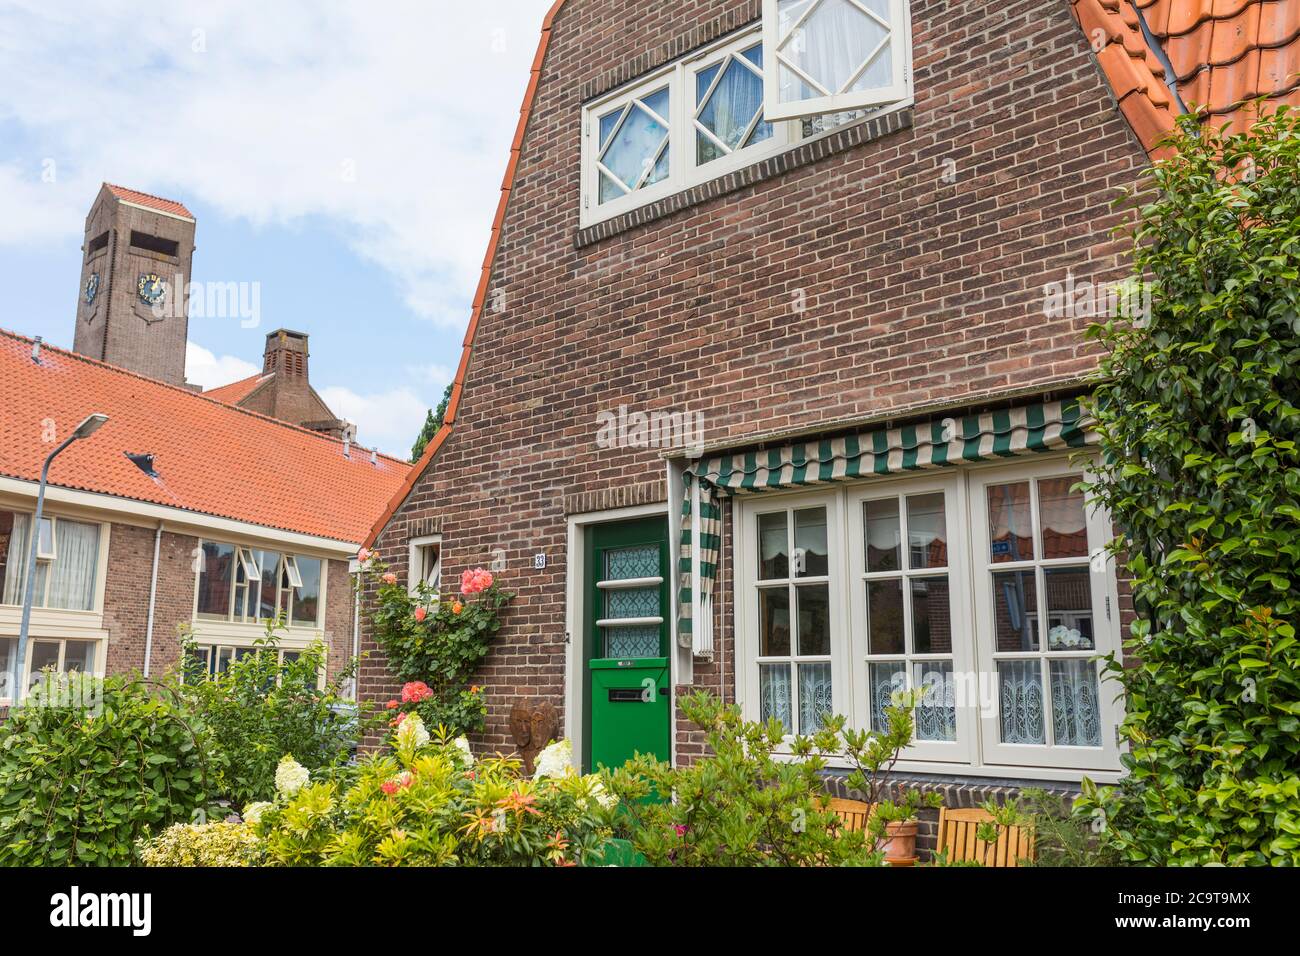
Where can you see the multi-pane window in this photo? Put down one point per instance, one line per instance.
(984, 593)
(833, 55)
(794, 611)
(252, 585)
(67, 561)
(207, 660)
(717, 109)
(45, 656)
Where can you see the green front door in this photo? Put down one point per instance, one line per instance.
(626, 641)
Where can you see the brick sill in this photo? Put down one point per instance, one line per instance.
(806, 153)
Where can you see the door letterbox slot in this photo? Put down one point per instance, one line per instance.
(625, 695)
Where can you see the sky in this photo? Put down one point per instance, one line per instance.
(343, 159)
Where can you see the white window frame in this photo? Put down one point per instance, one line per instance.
(963, 652)
(52, 552)
(684, 170)
(836, 102)
(39, 600)
(977, 750)
(247, 559)
(1103, 587)
(101, 649)
(414, 562)
(747, 610)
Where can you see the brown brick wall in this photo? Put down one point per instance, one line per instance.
(919, 291)
(126, 597)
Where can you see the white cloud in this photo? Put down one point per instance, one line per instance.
(390, 420)
(389, 123)
(208, 370)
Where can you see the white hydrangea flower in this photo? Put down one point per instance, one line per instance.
(253, 812)
(411, 733)
(462, 743)
(556, 760)
(290, 776)
(596, 790)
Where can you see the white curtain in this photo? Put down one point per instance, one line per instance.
(830, 46)
(15, 562)
(72, 581)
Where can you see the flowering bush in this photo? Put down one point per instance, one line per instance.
(206, 844)
(428, 803)
(435, 646)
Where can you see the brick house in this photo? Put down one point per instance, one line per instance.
(770, 385)
(182, 511)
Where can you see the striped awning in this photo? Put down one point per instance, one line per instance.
(943, 442)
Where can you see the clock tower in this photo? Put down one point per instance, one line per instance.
(132, 306)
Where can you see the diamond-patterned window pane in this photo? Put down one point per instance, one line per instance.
(636, 146)
(728, 109)
(630, 642)
(622, 564)
(832, 45)
(633, 602)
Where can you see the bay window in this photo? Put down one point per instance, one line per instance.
(811, 65)
(251, 586)
(984, 592)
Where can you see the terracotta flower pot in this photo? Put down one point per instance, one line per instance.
(900, 843)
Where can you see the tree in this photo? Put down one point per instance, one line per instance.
(1197, 412)
(432, 422)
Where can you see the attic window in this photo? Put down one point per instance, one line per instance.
(142, 240)
(99, 242)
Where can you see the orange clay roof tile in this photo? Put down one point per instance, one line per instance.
(212, 458)
(170, 206)
(1223, 53)
(236, 392)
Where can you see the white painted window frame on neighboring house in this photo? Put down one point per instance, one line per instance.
(415, 566)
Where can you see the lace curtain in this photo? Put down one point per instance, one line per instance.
(831, 44)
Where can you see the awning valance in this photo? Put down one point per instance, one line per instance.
(942, 442)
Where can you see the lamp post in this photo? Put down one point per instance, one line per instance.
(84, 430)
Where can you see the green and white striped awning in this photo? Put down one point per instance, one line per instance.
(943, 442)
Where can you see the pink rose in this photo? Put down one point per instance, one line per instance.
(421, 614)
(392, 705)
(363, 555)
(389, 578)
(472, 582)
(416, 691)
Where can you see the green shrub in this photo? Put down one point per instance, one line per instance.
(1198, 417)
(745, 806)
(203, 844)
(262, 708)
(82, 784)
(429, 804)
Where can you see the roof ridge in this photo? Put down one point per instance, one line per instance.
(141, 192)
(77, 356)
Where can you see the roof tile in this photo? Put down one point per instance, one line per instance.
(212, 458)
(169, 206)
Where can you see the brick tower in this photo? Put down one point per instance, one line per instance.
(132, 306)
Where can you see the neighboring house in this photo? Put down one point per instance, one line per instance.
(283, 388)
(849, 240)
(181, 511)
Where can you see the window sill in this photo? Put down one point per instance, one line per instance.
(805, 153)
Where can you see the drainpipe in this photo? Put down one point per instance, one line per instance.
(153, 595)
(356, 626)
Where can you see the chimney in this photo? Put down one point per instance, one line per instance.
(286, 355)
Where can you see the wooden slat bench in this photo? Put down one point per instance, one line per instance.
(957, 836)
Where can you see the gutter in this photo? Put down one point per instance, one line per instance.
(153, 597)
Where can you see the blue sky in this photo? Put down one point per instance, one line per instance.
(344, 156)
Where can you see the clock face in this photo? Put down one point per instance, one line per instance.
(151, 289)
(92, 288)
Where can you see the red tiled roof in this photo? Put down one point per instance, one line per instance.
(212, 458)
(236, 392)
(170, 206)
(1223, 53)
(476, 313)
